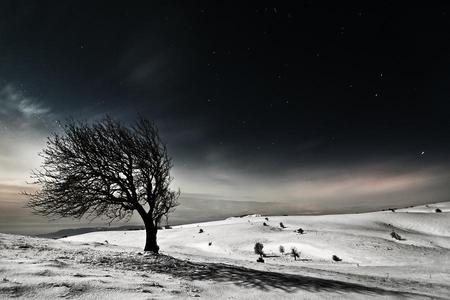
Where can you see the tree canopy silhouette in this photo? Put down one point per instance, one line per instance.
(106, 169)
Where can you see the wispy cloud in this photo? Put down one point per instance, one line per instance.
(17, 110)
(24, 124)
(329, 188)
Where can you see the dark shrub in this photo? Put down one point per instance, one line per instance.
(438, 210)
(265, 224)
(295, 253)
(267, 219)
(300, 231)
(259, 249)
(282, 225)
(336, 258)
(200, 231)
(210, 243)
(260, 260)
(396, 236)
(281, 249)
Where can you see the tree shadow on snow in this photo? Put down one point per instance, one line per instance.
(251, 278)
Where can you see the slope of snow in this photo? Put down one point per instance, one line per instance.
(362, 241)
(220, 262)
(357, 238)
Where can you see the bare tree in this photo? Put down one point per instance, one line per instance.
(295, 253)
(106, 169)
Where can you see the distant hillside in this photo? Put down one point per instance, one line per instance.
(193, 209)
(71, 232)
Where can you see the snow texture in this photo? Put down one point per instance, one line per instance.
(220, 263)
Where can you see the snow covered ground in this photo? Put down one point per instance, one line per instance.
(220, 262)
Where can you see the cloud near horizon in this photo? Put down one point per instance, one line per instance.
(25, 122)
(24, 125)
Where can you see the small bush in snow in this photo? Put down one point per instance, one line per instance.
(265, 224)
(300, 231)
(210, 243)
(267, 219)
(396, 236)
(281, 249)
(295, 253)
(200, 231)
(438, 210)
(336, 258)
(260, 260)
(259, 249)
(282, 225)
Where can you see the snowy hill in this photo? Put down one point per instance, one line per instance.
(220, 261)
(356, 238)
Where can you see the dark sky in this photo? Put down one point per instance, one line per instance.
(306, 102)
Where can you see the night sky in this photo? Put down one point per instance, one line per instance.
(313, 107)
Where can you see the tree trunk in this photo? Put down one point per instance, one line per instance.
(150, 242)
